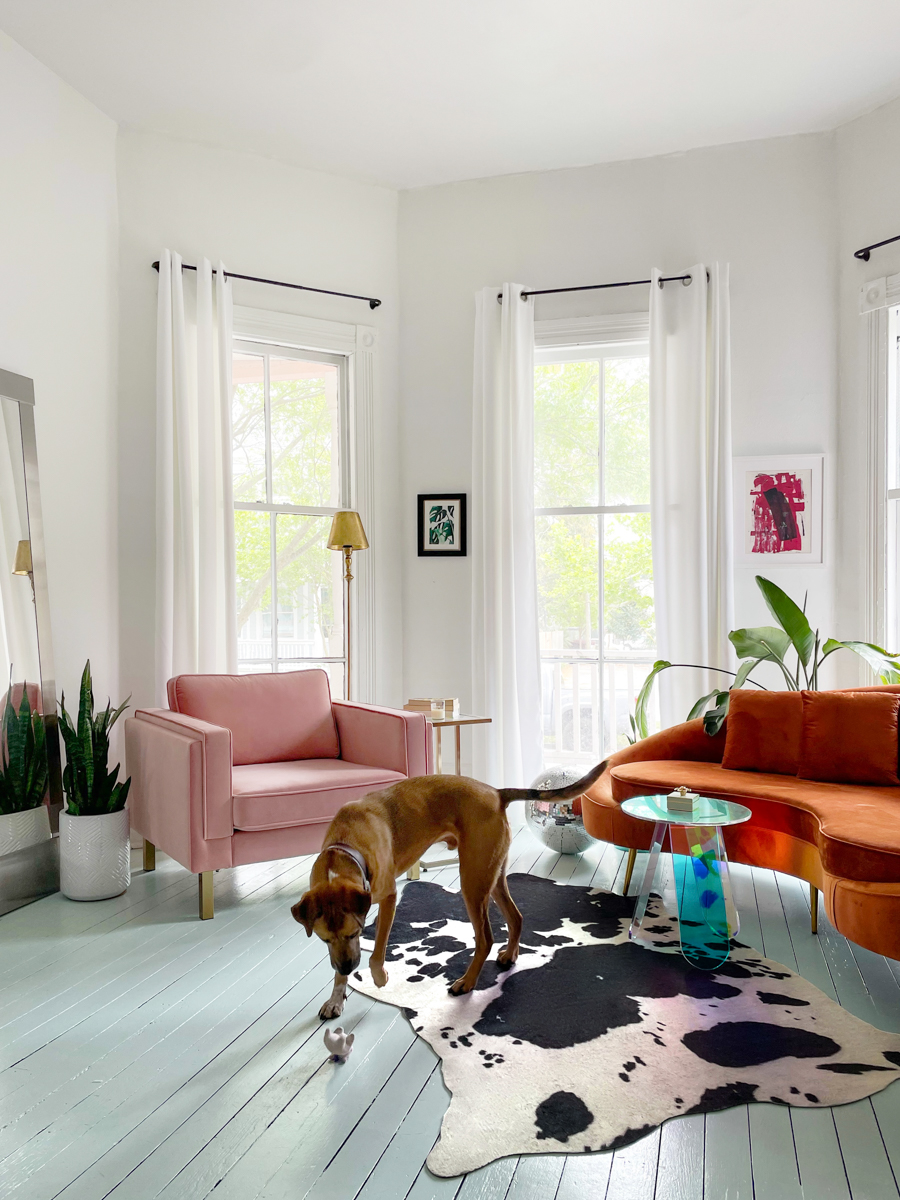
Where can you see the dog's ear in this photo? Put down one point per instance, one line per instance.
(306, 911)
(360, 901)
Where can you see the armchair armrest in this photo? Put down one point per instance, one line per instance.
(688, 741)
(383, 737)
(181, 797)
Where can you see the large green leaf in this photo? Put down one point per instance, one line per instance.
(701, 704)
(885, 665)
(745, 670)
(640, 708)
(790, 617)
(714, 719)
(761, 642)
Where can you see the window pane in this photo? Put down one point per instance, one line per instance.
(254, 590)
(628, 623)
(306, 466)
(626, 430)
(310, 595)
(248, 419)
(566, 434)
(568, 595)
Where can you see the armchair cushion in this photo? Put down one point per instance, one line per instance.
(276, 795)
(272, 718)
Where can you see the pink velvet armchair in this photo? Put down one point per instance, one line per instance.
(247, 768)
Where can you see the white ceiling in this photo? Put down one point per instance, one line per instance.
(413, 92)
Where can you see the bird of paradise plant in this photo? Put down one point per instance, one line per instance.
(793, 646)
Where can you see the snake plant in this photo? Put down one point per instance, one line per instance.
(91, 789)
(793, 646)
(23, 757)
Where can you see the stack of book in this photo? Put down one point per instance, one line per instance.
(431, 708)
(436, 709)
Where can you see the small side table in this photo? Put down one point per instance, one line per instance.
(707, 917)
(440, 725)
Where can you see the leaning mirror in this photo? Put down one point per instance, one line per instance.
(30, 782)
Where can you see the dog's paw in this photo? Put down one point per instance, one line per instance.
(331, 1008)
(460, 987)
(506, 957)
(379, 975)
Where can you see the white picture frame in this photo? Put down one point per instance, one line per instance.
(768, 521)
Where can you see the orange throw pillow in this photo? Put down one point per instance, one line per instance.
(850, 737)
(763, 732)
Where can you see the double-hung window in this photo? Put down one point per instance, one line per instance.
(291, 474)
(592, 532)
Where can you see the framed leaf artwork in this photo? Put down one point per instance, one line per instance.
(442, 525)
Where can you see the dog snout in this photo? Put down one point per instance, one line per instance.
(346, 965)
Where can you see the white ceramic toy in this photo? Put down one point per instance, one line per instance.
(339, 1044)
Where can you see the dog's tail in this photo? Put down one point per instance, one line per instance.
(563, 793)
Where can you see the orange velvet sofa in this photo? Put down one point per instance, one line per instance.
(843, 839)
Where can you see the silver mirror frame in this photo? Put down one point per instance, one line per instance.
(20, 389)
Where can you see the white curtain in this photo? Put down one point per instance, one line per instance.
(506, 671)
(195, 566)
(690, 499)
(18, 625)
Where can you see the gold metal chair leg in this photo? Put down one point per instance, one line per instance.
(207, 910)
(413, 872)
(629, 870)
(814, 908)
(149, 856)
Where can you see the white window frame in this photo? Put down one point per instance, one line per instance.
(574, 340)
(354, 348)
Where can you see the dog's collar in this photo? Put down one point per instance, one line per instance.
(356, 856)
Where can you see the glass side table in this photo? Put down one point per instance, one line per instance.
(697, 874)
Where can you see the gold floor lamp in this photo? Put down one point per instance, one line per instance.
(347, 534)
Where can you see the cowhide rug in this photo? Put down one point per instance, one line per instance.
(591, 1041)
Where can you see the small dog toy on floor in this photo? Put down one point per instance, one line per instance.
(338, 1044)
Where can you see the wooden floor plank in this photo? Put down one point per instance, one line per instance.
(191, 1158)
(633, 1172)
(356, 1158)
(291, 1153)
(585, 1177)
(490, 1182)
(433, 1187)
(773, 1157)
(398, 1168)
(247, 1108)
(868, 1167)
(727, 1173)
(71, 1144)
(679, 1173)
(536, 1177)
(819, 1158)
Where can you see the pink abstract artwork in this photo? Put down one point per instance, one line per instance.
(779, 509)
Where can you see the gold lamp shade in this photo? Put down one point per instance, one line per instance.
(22, 565)
(347, 530)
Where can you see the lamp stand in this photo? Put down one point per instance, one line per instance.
(348, 577)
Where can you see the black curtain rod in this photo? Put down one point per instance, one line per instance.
(863, 254)
(593, 287)
(299, 287)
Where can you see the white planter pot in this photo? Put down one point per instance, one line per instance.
(94, 855)
(22, 829)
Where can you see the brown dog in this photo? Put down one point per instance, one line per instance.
(372, 841)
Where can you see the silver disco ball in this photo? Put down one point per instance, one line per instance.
(555, 822)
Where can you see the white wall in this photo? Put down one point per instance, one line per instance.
(265, 218)
(767, 207)
(58, 251)
(868, 176)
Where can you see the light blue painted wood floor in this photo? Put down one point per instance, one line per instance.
(144, 1053)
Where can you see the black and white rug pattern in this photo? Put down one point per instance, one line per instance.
(590, 1041)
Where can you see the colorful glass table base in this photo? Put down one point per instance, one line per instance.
(693, 880)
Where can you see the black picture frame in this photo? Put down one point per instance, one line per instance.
(425, 531)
